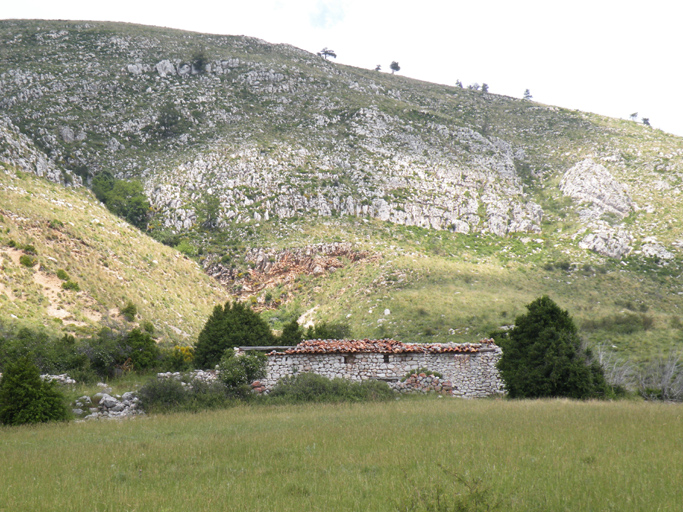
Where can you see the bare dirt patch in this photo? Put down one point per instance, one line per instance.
(14, 255)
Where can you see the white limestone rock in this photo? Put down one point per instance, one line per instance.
(608, 241)
(590, 182)
(165, 68)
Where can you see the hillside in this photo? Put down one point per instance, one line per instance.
(310, 187)
(111, 262)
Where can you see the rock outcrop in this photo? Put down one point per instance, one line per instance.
(19, 151)
(592, 184)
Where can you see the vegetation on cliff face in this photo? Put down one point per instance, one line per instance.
(310, 187)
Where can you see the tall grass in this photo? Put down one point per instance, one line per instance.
(523, 455)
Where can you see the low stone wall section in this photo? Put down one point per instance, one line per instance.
(471, 375)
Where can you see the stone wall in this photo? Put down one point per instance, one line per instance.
(471, 375)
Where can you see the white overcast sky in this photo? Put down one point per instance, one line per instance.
(612, 57)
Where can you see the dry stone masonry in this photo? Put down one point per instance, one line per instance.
(468, 370)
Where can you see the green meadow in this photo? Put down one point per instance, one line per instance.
(409, 454)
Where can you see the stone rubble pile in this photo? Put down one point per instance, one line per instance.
(109, 407)
(60, 379)
(207, 376)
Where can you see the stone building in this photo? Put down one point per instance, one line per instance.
(467, 370)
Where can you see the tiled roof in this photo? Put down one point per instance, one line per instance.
(381, 347)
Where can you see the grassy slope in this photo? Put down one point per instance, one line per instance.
(530, 456)
(440, 286)
(112, 262)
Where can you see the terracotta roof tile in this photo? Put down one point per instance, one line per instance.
(381, 347)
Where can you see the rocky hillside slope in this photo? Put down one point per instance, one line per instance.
(230, 130)
(282, 172)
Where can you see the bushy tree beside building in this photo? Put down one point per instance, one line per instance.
(26, 398)
(229, 326)
(543, 356)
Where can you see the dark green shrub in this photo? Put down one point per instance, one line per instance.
(186, 248)
(543, 357)
(141, 348)
(70, 285)
(25, 398)
(61, 274)
(162, 395)
(104, 351)
(231, 326)
(129, 311)
(292, 334)
(123, 198)
(49, 354)
(28, 260)
(309, 387)
(148, 326)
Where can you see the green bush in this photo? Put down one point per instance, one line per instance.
(186, 248)
(25, 398)
(543, 357)
(123, 198)
(141, 348)
(329, 331)
(104, 351)
(70, 285)
(310, 387)
(28, 260)
(177, 359)
(129, 311)
(170, 395)
(238, 371)
(61, 274)
(292, 334)
(49, 354)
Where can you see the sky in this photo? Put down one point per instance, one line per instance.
(614, 58)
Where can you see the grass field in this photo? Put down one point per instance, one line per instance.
(403, 455)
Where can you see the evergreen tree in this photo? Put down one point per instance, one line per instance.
(230, 326)
(394, 67)
(292, 334)
(543, 357)
(25, 398)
